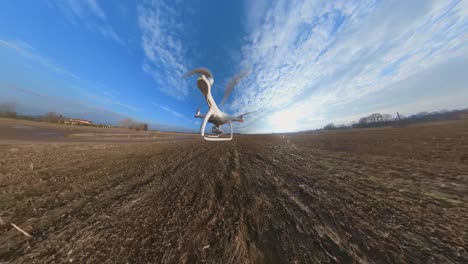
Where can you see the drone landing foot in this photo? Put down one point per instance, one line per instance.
(216, 138)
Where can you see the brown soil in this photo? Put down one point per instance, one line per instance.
(396, 195)
(17, 131)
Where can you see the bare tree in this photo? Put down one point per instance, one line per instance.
(127, 123)
(329, 126)
(132, 124)
(387, 117)
(8, 109)
(375, 119)
(51, 117)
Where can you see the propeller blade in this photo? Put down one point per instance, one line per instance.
(198, 111)
(241, 117)
(233, 83)
(248, 113)
(203, 71)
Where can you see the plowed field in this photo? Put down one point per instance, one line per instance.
(390, 195)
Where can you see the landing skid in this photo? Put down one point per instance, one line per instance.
(213, 138)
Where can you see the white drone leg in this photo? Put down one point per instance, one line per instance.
(230, 125)
(203, 125)
(220, 139)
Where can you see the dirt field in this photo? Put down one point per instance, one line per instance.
(391, 195)
(18, 131)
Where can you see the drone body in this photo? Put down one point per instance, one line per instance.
(214, 115)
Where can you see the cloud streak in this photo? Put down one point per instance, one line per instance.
(28, 52)
(173, 112)
(309, 57)
(89, 13)
(167, 109)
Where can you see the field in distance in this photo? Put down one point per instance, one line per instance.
(16, 130)
(382, 195)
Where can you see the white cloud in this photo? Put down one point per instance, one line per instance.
(164, 51)
(173, 112)
(108, 98)
(309, 57)
(96, 9)
(106, 31)
(27, 51)
(89, 13)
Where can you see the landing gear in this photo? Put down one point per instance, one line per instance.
(216, 137)
(216, 130)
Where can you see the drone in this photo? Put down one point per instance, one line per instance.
(214, 115)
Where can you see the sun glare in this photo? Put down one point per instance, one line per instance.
(284, 121)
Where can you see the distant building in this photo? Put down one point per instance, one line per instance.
(77, 122)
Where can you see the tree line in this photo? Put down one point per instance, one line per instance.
(8, 109)
(132, 124)
(380, 120)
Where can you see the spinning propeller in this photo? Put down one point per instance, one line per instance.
(234, 81)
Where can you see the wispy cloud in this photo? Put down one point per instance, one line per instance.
(111, 100)
(172, 111)
(106, 31)
(167, 109)
(90, 14)
(20, 89)
(161, 28)
(96, 9)
(311, 56)
(27, 51)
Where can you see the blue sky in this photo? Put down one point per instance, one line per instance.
(311, 62)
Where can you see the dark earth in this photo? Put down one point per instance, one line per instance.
(387, 195)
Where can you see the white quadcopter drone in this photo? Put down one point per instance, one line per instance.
(214, 115)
